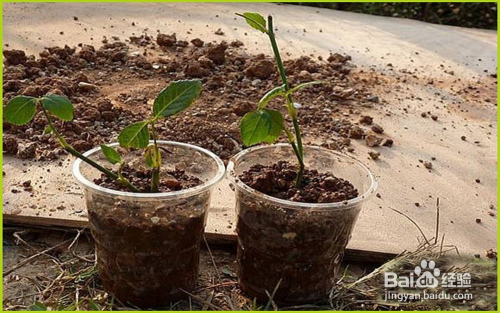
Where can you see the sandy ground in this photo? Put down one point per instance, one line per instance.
(453, 58)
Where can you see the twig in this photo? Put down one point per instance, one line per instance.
(228, 283)
(217, 272)
(77, 299)
(437, 222)
(79, 232)
(22, 296)
(213, 260)
(212, 306)
(34, 256)
(18, 234)
(209, 300)
(414, 223)
(271, 297)
(441, 247)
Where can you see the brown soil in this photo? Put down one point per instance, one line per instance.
(110, 87)
(278, 180)
(147, 251)
(173, 180)
(300, 249)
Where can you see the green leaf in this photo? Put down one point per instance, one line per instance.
(178, 96)
(255, 20)
(152, 157)
(261, 126)
(111, 154)
(228, 271)
(300, 86)
(37, 306)
(20, 110)
(93, 306)
(277, 126)
(59, 106)
(273, 93)
(135, 136)
(48, 130)
(148, 157)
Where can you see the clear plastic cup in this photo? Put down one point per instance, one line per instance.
(296, 245)
(147, 244)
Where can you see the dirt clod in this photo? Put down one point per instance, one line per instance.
(338, 58)
(164, 40)
(388, 143)
(261, 69)
(216, 52)
(278, 180)
(356, 132)
(366, 120)
(491, 254)
(374, 155)
(10, 145)
(373, 141)
(14, 57)
(377, 129)
(197, 42)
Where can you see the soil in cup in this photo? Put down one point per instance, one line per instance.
(300, 248)
(278, 180)
(171, 180)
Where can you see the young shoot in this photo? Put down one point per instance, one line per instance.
(22, 109)
(266, 125)
(176, 97)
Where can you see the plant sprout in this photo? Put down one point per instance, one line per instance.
(266, 125)
(175, 98)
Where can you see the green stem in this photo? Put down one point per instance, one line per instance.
(155, 180)
(299, 148)
(77, 154)
(125, 181)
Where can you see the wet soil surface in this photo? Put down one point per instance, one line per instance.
(278, 180)
(171, 180)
